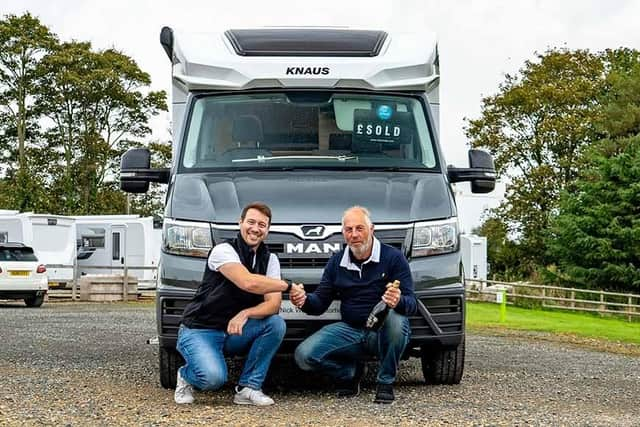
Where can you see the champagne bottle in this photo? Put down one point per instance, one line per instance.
(380, 311)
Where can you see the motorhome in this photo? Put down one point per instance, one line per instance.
(474, 256)
(116, 240)
(51, 236)
(311, 121)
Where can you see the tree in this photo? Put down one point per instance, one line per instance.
(96, 103)
(504, 256)
(23, 42)
(596, 235)
(537, 127)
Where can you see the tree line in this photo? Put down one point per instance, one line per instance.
(564, 131)
(67, 113)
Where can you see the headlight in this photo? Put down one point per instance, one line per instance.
(435, 237)
(186, 238)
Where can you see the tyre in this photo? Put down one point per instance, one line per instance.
(170, 361)
(34, 301)
(444, 366)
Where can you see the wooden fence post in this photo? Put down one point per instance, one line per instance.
(629, 316)
(125, 284)
(74, 283)
(602, 306)
(573, 299)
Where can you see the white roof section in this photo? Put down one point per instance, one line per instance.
(406, 61)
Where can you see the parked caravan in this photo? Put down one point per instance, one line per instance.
(116, 240)
(52, 237)
(474, 256)
(311, 121)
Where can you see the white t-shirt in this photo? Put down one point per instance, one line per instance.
(224, 253)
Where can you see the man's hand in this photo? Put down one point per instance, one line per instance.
(297, 295)
(236, 323)
(391, 296)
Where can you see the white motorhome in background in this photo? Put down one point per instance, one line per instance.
(474, 256)
(112, 240)
(53, 238)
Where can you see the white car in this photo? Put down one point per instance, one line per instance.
(21, 275)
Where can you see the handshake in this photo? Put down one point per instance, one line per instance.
(297, 295)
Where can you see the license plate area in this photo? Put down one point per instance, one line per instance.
(288, 311)
(19, 273)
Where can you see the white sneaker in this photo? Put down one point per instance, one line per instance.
(249, 396)
(184, 391)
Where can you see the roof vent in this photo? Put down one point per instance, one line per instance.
(306, 42)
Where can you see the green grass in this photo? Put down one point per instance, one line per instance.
(487, 316)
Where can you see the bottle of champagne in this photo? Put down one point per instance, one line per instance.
(380, 311)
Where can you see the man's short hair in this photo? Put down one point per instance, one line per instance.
(365, 212)
(260, 207)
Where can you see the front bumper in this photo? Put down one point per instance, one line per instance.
(439, 321)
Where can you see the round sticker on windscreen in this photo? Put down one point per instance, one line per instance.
(384, 112)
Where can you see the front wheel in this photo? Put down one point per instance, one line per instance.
(444, 366)
(34, 301)
(170, 361)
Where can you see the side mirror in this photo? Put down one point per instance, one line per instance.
(135, 171)
(482, 161)
(481, 173)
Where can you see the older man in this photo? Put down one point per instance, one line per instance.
(234, 311)
(358, 276)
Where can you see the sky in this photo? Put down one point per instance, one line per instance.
(479, 41)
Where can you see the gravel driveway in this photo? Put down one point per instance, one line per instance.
(89, 364)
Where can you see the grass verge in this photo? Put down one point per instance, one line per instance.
(608, 334)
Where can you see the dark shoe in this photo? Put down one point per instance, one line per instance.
(384, 394)
(351, 388)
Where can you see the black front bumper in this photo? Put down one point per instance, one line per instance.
(438, 323)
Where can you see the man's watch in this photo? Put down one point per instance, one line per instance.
(289, 285)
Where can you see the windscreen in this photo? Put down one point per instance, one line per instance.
(307, 129)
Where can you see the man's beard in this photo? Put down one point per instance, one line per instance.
(362, 249)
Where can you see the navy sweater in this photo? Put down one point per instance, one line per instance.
(357, 291)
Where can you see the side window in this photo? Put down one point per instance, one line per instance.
(4, 236)
(115, 248)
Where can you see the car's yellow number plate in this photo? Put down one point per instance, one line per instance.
(20, 273)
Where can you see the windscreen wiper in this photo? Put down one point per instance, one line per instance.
(264, 159)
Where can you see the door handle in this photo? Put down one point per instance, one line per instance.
(122, 260)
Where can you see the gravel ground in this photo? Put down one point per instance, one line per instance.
(89, 364)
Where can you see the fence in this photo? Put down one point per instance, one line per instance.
(73, 292)
(574, 299)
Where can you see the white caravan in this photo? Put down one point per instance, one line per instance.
(474, 256)
(116, 240)
(53, 238)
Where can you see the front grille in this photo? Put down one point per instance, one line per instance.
(302, 262)
(313, 253)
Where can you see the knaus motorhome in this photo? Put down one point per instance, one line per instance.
(53, 238)
(311, 121)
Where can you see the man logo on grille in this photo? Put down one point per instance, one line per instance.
(309, 231)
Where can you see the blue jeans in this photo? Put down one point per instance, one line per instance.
(336, 348)
(204, 351)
